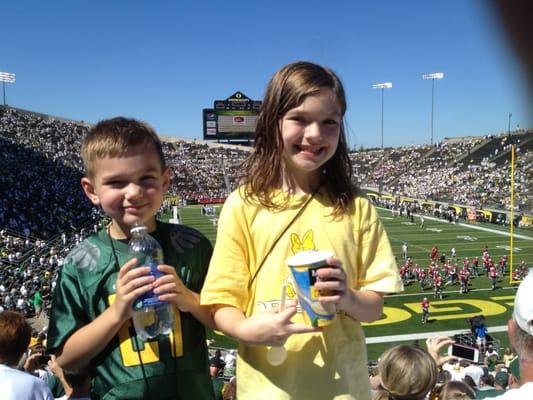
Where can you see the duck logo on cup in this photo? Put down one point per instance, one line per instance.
(304, 266)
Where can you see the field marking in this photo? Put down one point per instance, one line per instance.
(466, 237)
(425, 335)
(481, 228)
(431, 292)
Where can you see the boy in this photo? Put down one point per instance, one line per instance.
(90, 320)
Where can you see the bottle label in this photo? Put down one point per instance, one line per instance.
(149, 299)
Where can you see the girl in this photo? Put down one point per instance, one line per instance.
(298, 195)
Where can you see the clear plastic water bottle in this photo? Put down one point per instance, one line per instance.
(151, 316)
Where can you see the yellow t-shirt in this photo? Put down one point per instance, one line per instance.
(331, 364)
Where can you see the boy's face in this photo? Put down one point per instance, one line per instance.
(129, 188)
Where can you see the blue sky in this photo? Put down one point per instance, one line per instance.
(164, 61)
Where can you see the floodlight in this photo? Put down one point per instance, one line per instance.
(432, 76)
(6, 77)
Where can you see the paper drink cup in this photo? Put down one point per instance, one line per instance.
(304, 266)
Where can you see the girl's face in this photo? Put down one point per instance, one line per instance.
(310, 135)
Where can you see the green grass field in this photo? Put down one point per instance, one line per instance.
(402, 311)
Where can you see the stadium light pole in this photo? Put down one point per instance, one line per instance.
(509, 126)
(6, 77)
(432, 77)
(382, 86)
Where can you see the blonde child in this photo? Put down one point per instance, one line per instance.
(298, 195)
(405, 373)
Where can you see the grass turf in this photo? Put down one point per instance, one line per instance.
(402, 312)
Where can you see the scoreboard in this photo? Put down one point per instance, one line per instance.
(231, 119)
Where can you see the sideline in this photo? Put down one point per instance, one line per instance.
(480, 228)
(432, 293)
(425, 335)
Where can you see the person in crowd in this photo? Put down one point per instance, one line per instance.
(491, 352)
(474, 371)
(481, 337)
(229, 392)
(520, 331)
(454, 390)
(507, 357)
(90, 323)
(15, 334)
(501, 381)
(230, 361)
(405, 373)
(299, 183)
(216, 363)
(470, 382)
(486, 385)
(216, 366)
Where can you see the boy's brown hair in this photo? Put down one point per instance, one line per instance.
(114, 138)
(15, 335)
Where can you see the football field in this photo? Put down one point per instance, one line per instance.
(401, 320)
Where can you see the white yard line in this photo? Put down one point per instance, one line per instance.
(431, 292)
(481, 228)
(425, 335)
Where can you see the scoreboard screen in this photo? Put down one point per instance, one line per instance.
(232, 119)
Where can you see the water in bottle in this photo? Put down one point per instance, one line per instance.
(151, 316)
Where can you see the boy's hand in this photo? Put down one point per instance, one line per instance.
(331, 284)
(131, 283)
(272, 328)
(170, 287)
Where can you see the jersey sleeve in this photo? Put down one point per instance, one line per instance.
(228, 275)
(377, 267)
(68, 311)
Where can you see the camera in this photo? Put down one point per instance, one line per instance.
(43, 359)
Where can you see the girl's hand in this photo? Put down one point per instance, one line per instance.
(131, 283)
(331, 283)
(170, 287)
(271, 328)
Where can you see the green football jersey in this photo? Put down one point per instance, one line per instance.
(167, 367)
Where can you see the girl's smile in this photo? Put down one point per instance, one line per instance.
(310, 135)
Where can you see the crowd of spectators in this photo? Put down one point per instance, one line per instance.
(28, 269)
(470, 172)
(42, 169)
(410, 372)
(41, 194)
(202, 171)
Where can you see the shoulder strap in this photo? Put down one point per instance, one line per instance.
(280, 235)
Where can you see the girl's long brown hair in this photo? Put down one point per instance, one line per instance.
(287, 89)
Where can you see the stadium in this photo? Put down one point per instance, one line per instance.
(444, 183)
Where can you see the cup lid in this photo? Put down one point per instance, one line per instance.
(308, 257)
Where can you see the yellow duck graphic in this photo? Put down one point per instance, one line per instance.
(307, 242)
